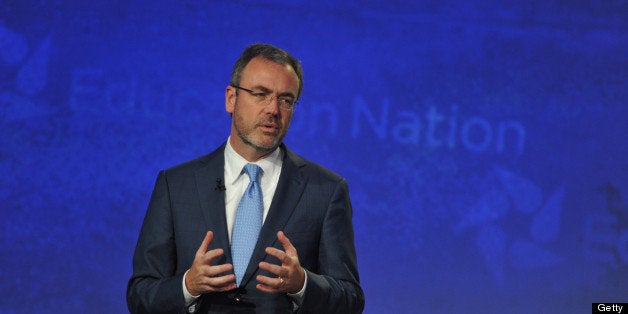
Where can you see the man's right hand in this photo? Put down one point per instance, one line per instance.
(204, 277)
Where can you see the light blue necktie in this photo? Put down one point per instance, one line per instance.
(248, 223)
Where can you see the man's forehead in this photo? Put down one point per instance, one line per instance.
(260, 69)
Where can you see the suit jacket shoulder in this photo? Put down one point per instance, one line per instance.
(311, 169)
(199, 162)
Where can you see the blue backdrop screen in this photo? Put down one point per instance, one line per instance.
(484, 143)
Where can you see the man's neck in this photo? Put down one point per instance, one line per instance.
(249, 152)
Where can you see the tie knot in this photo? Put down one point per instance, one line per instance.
(253, 171)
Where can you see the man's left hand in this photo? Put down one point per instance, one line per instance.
(290, 275)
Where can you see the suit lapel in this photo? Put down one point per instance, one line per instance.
(212, 198)
(287, 195)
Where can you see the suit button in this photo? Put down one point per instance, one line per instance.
(237, 299)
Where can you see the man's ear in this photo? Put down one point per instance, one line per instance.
(230, 98)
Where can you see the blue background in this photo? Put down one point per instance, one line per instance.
(484, 142)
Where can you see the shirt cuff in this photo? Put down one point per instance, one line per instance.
(189, 298)
(298, 297)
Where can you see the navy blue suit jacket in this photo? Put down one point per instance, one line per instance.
(311, 205)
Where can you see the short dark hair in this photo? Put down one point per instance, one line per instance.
(268, 52)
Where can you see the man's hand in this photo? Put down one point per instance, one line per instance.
(290, 275)
(203, 277)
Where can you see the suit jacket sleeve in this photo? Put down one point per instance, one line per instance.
(335, 287)
(155, 286)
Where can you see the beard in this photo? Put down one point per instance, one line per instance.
(253, 135)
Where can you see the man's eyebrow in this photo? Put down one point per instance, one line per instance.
(265, 89)
(261, 88)
(287, 94)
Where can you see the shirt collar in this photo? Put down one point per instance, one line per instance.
(234, 163)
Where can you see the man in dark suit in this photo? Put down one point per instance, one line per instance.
(302, 253)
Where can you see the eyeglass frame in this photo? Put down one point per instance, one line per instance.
(264, 97)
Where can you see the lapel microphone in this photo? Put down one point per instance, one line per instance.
(219, 185)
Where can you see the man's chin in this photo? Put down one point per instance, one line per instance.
(265, 144)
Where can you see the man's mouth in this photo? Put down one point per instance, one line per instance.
(269, 127)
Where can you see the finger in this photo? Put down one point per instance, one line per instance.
(210, 255)
(225, 288)
(221, 281)
(268, 284)
(279, 254)
(272, 268)
(267, 289)
(219, 285)
(285, 242)
(215, 271)
(205, 244)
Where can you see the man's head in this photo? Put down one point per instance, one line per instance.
(265, 83)
(268, 52)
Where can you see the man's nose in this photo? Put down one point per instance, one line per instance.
(273, 105)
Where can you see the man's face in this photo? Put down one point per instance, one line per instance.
(258, 127)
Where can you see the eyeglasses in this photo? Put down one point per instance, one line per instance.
(265, 97)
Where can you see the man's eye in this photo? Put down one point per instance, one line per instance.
(286, 101)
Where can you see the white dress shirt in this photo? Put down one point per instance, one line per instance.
(236, 182)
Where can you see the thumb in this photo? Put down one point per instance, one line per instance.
(209, 236)
(285, 242)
